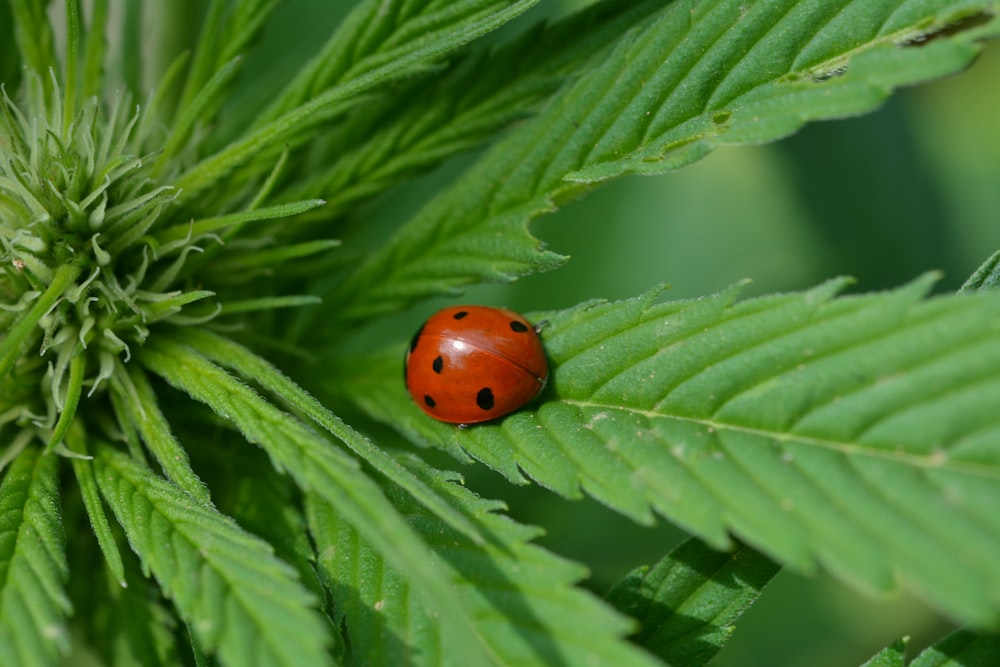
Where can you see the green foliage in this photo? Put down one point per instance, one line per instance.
(33, 605)
(236, 596)
(959, 648)
(986, 277)
(787, 419)
(188, 270)
(890, 656)
(688, 602)
(511, 587)
(641, 113)
(316, 467)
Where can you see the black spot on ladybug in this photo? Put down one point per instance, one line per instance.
(415, 339)
(437, 364)
(460, 314)
(484, 398)
(429, 402)
(518, 327)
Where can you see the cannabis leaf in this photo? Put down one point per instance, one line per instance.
(962, 647)
(698, 76)
(688, 602)
(986, 277)
(33, 605)
(317, 467)
(893, 655)
(856, 432)
(179, 269)
(376, 44)
(131, 621)
(526, 610)
(479, 95)
(237, 597)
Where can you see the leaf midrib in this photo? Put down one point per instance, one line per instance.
(938, 460)
(908, 318)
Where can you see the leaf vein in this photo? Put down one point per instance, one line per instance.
(773, 24)
(842, 446)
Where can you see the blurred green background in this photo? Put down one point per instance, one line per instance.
(885, 197)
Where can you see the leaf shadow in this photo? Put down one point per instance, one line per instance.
(713, 587)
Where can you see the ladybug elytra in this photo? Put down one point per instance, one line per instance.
(470, 364)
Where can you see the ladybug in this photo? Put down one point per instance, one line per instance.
(471, 364)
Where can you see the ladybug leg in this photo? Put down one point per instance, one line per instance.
(541, 325)
(463, 426)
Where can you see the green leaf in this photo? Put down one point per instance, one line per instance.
(137, 397)
(233, 267)
(70, 401)
(16, 340)
(475, 99)
(252, 367)
(130, 36)
(520, 598)
(136, 626)
(893, 655)
(857, 433)
(378, 43)
(244, 25)
(268, 304)
(95, 49)
(986, 277)
(84, 472)
(265, 502)
(33, 571)
(72, 73)
(195, 113)
(233, 222)
(688, 603)
(241, 601)
(700, 75)
(124, 624)
(962, 648)
(227, 31)
(33, 33)
(317, 467)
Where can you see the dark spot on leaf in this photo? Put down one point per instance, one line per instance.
(961, 25)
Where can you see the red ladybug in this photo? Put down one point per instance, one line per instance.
(471, 364)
